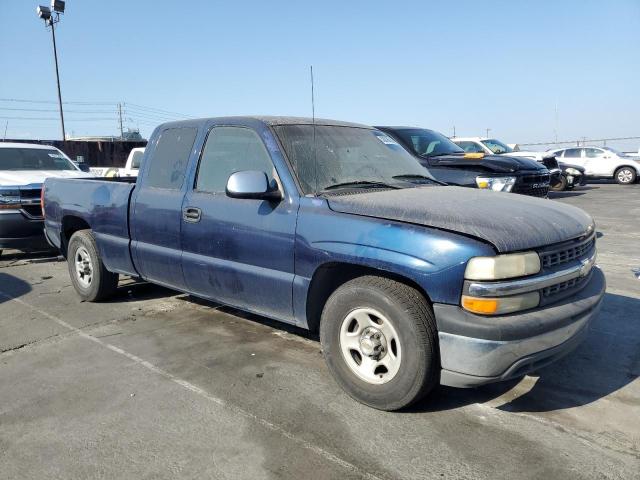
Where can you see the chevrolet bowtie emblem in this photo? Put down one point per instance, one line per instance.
(586, 265)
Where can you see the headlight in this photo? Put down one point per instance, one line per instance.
(500, 305)
(497, 184)
(572, 171)
(502, 266)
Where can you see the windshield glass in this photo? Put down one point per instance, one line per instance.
(345, 155)
(427, 143)
(613, 150)
(33, 159)
(496, 146)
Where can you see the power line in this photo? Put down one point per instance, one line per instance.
(21, 100)
(53, 118)
(159, 110)
(53, 110)
(581, 140)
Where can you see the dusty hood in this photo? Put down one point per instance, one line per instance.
(508, 221)
(13, 178)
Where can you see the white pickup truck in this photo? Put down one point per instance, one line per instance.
(130, 169)
(23, 169)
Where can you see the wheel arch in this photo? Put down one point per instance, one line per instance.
(328, 277)
(70, 224)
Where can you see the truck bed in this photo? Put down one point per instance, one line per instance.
(97, 203)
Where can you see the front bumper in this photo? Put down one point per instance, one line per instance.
(476, 350)
(20, 232)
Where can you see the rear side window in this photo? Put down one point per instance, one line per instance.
(169, 163)
(573, 153)
(229, 150)
(136, 159)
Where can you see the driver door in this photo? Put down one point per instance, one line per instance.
(238, 251)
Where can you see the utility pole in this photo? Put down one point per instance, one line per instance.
(45, 14)
(488, 130)
(6, 125)
(120, 117)
(454, 131)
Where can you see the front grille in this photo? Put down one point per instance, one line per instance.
(561, 287)
(33, 210)
(568, 253)
(30, 193)
(536, 185)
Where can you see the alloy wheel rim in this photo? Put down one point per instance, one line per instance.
(625, 176)
(370, 345)
(84, 267)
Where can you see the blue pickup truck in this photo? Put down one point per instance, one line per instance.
(334, 227)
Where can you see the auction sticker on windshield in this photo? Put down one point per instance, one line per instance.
(386, 139)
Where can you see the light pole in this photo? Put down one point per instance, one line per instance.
(45, 14)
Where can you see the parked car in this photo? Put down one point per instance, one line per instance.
(601, 162)
(131, 167)
(334, 226)
(571, 176)
(23, 168)
(448, 163)
(559, 178)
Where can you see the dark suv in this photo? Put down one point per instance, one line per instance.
(448, 163)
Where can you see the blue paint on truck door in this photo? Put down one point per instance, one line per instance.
(238, 251)
(157, 214)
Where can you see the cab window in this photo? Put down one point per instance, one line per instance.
(229, 150)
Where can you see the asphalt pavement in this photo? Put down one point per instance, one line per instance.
(156, 384)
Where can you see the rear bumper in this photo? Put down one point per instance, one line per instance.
(476, 350)
(19, 232)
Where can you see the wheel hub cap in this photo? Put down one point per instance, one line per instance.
(373, 343)
(370, 345)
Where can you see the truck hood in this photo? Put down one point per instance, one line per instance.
(13, 178)
(508, 221)
(493, 163)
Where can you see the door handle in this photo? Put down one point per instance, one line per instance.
(192, 214)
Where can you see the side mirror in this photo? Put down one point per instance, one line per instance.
(84, 167)
(251, 184)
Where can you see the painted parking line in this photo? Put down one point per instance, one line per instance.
(200, 392)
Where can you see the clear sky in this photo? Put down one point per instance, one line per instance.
(503, 65)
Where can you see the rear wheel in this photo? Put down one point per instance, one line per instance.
(90, 278)
(379, 341)
(625, 175)
(560, 185)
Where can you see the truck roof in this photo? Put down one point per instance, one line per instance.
(276, 120)
(25, 145)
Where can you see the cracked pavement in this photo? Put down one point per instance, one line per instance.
(156, 384)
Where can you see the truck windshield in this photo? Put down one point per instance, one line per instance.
(33, 159)
(496, 146)
(346, 156)
(427, 143)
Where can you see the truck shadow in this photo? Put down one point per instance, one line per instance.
(607, 361)
(12, 287)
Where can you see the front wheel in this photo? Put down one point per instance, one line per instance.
(561, 185)
(379, 340)
(625, 175)
(89, 277)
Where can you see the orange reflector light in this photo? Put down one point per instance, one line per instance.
(480, 305)
(473, 155)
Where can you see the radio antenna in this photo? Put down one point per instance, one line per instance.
(313, 122)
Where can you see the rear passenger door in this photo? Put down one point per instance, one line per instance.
(238, 251)
(574, 156)
(156, 217)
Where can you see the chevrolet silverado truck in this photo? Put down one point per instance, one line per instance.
(334, 227)
(449, 163)
(23, 168)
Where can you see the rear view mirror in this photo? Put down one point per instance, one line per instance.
(251, 184)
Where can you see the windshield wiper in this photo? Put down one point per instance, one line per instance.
(360, 184)
(442, 154)
(416, 176)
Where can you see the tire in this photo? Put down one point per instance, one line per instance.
(95, 282)
(561, 185)
(406, 352)
(625, 175)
